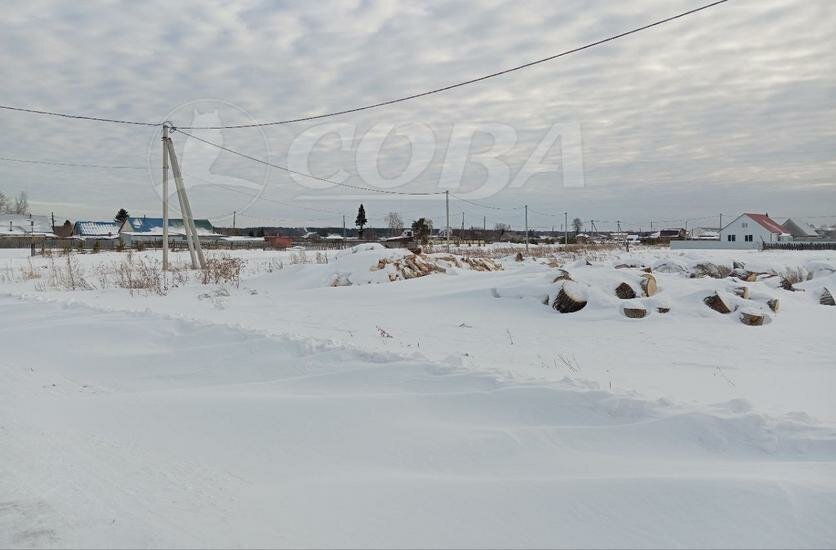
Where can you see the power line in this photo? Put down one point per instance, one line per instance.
(73, 164)
(286, 169)
(78, 117)
(487, 206)
(391, 101)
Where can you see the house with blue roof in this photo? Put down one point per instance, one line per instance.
(150, 231)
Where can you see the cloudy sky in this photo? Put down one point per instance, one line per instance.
(729, 110)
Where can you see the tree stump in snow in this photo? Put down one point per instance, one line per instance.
(773, 304)
(663, 309)
(562, 275)
(625, 291)
(742, 291)
(634, 311)
(786, 284)
(717, 303)
(754, 319)
(518, 257)
(648, 284)
(570, 298)
(826, 298)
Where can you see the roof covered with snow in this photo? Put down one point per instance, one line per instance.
(154, 226)
(799, 228)
(96, 229)
(18, 225)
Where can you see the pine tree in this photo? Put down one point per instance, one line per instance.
(121, 216)
(421, 229)
(361, 220)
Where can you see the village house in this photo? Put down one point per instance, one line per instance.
(752, 231)
(149, 231)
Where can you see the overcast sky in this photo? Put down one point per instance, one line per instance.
(732, 109)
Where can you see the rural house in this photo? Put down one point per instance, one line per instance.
(752, 231)
(150, 231)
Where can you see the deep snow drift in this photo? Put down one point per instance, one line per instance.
(455, 409)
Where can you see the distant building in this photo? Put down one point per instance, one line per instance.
(19, 225)
(150, 231)
(706, 233)
(800, 230)
(96, 230)
(752, 230)
(745, 231)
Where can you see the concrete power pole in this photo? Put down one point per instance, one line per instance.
(195, 250)
(447, 204)
(165, 197)
(344, 227)
(565, 228)
(526, 229)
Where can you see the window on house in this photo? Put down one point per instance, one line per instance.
(732, 238)
(744, 225)
(748, 238)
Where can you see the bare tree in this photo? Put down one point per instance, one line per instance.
(394, 223)
(4, 203)
(22, 203)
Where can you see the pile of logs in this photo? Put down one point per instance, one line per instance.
(826, 298)
(420, 265)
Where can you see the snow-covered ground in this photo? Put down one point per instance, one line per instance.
(454, 409)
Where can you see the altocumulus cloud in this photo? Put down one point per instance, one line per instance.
(728, 110)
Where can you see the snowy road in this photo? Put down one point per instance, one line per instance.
(126, 429)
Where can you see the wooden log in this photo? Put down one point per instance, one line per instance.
(648, 284)
(562, 275)
(826, 298)
(570, 298)
(625, 291)
(754, 319)
(742, 291)
(717, 303)
(634, 311)
(663, 309)
(773, 304)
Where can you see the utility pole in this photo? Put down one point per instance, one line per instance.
(462, 234)
(565, 228)
(526, 229)
(344, 227)
(233, 218)
(165, 197)
(484, 223)
(447, 204)
(618, 223)
(53, 220)
(195, 250)
(721, 221)
(651, 225)
(32, 233)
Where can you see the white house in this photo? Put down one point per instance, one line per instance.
(752, 231)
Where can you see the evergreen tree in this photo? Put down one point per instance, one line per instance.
(421, 229)
(121, 216)
(361, 220)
